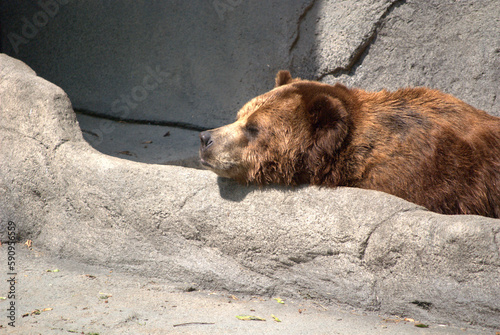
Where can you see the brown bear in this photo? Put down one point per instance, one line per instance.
(416, 143)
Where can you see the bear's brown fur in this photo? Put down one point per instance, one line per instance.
(416, 143)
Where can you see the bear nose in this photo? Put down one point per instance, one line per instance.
(206, 139)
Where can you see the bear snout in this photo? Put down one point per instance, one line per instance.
(206, 140)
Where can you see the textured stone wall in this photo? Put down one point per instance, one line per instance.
(199, 61)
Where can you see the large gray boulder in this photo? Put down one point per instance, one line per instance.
(357, 247)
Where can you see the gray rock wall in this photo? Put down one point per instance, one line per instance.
(199, 61)
(362, 248)
(208, 57)
(448, 45)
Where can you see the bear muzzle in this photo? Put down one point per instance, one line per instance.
(206, 140)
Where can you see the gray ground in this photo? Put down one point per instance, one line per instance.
(84, 299)
(142, 143)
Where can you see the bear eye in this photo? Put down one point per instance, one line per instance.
(251, 130)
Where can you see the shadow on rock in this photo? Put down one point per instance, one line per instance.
(232, 191)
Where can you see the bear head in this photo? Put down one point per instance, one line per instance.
(289, 135)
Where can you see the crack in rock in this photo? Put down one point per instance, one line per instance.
(356, 58)
(496, 241)
(189, 197)
(364, 245)
(14, 131)
(58, 145)
(302, 16)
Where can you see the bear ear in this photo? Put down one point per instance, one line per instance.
(329, 120)
(282, 78)
(325, 111)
